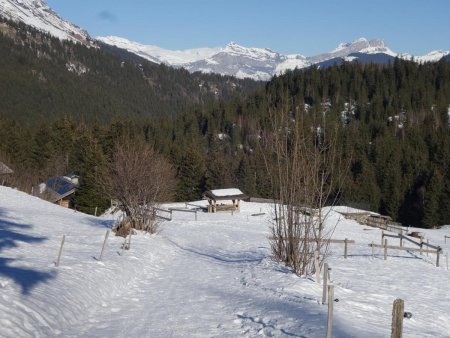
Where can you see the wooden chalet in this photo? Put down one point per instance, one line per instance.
(219, 199)
(59, 190)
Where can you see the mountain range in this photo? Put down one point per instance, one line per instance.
(233, 59)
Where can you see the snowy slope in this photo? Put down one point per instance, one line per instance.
(207, 278)
(433, 56)
(37, 14)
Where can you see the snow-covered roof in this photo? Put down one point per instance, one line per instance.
(58, 188)
(4, 169)
(225, 194)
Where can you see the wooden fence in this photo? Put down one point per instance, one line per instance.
(167, 218)
(385, 246)
(346, 242)
(185, 210)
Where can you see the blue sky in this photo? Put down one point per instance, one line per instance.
(286, 26)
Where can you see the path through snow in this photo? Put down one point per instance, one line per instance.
(207, 278)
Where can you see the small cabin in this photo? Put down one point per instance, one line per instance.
(59, 190)
(378, 221)
(224, 199)
(360, 217)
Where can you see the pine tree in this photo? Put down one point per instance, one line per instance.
(191, 176)
(89, 162)
(431, 200)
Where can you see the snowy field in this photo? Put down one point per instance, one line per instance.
(207, 278)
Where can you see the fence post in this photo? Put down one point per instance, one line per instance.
(438, 251)
(196, 215)
(421, 245)
(60, 250)
(316, 265)
(345, 248)
(397, 318)
(382, 236)
(171, 215)
(126, 245)
(428, 242)
(325, 282)
(385, 249)
(373, 250)
(104, 244)
(401, 240)
(330, 311)
(129, 239)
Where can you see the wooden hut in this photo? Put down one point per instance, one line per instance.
(219, 199)
(360, 217)
(59, 190)
(378, 221)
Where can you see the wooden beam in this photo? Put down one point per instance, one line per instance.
(401, 248)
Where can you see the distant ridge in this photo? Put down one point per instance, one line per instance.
(263, 63)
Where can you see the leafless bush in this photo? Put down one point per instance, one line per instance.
(304, 167)
(139, 178)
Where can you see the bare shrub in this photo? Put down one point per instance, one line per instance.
(306, 172)
(139, 178)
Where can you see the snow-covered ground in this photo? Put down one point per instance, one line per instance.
(207, 278)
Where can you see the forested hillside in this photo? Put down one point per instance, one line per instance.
(392, 122)
(44, 78)
(396, 131)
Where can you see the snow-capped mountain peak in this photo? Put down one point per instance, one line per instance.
(263, 63)
(343, 46)
(361, 45)
(433, 56)
(160, 55)
(257, 53)
(37, 14)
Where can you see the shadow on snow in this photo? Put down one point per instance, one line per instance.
(224, 257)
(11, 237)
